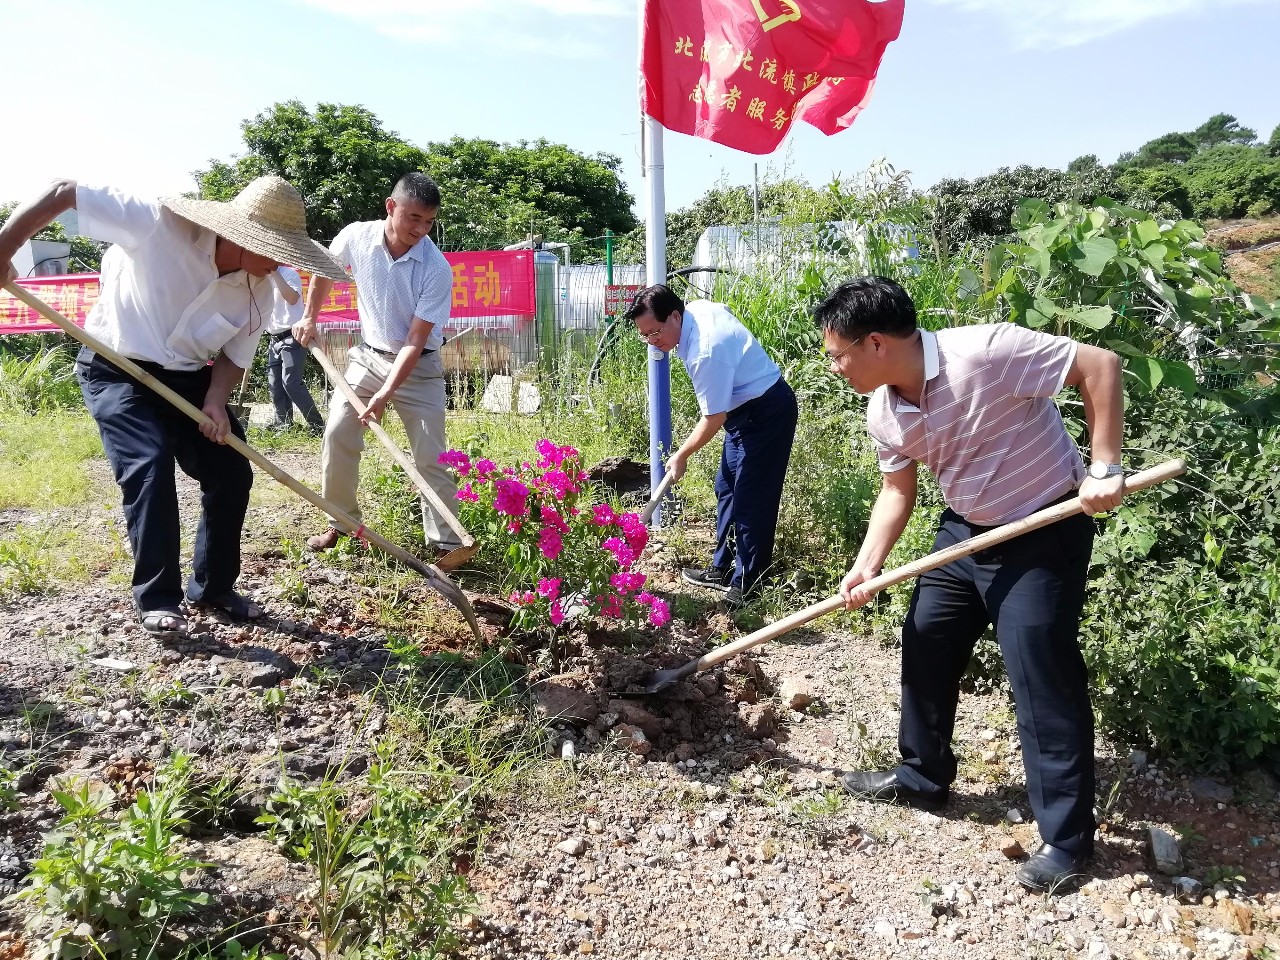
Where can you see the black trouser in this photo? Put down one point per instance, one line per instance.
(286, 361)
(1032, 589)
(753, 465)
(143, 434)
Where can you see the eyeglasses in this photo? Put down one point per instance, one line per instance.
(835, 357)
(649, 337)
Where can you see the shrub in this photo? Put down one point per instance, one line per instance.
(562, 551)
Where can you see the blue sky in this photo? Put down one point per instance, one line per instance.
(139, 93)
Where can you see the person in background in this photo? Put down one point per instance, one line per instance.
(740, 390)
(287, 358)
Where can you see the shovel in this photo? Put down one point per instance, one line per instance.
(437, 580)
(662, 679)
(454, 558)
(646, 515)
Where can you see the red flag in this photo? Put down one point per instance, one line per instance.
(740, 72)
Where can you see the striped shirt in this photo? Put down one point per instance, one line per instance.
(987, 426)
(390, 293)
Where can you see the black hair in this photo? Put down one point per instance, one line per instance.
(866, 305)
(658, 300)
(419, 187)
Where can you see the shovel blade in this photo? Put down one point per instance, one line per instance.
(457, 558)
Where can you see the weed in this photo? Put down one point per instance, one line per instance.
(1224, 875)
(106, 885)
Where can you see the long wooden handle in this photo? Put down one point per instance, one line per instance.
(939, 558)
(647, 513)
(406, 463)
(344, 521)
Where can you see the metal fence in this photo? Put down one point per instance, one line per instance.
(496, 363)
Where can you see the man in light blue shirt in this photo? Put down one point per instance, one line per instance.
(739, 388)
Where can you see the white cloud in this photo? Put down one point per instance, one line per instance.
(520, 26)
(1067, 23)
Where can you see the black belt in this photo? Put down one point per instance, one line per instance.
(392, 354)
(277, 337)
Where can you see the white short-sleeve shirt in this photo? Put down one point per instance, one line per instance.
(724, 361)
(161, 298)
(284, 314)
(389, 292)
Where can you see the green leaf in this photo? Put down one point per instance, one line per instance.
(1148, 231)
(969, 286)
(1180, 375)
(1030, 211)
(1095, 318)
(1041, 312)
(1146, 370)
(1092, 256)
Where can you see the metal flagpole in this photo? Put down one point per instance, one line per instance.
(656, 259)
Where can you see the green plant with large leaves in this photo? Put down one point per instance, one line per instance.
(1149, 289)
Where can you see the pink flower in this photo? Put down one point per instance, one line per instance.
(552, 519)
(550, 455)
(550, 543)
(626, 582)
(559, 483)
(457, 460)
(621, 551)
(523, 599)
(603, 515)
(610, 606)
(659, 613)
(485, 467)
(512, 498)
(513, 526)
(549, 588)
(557, 614)
(645, 599)
(635, 531)
(466, 493)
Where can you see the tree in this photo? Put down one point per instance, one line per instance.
(344, 163)
(1222, 128)
(496, 193)
(1273, 145)
(1170, 148)
(340, 158)
(1083, 164)
(86, 254)
(984, 207)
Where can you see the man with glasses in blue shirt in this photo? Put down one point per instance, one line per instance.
(740, 389)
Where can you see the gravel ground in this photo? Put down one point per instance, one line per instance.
(707, 819)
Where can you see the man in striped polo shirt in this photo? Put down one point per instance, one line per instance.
(975, 405)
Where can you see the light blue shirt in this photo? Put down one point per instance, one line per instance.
(390, 293)
(726, 363)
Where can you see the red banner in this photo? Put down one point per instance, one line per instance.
(618, 296)
(486, 283)
(740, 72)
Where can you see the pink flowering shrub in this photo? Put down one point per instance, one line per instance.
(559, 551)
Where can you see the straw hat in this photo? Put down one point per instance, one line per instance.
(266, 218)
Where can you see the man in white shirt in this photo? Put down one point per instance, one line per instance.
(404, 287)
(184, 284)
(741, 389)
(286, 359)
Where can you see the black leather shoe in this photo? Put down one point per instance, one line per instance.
(884, 785)
(1052, 870)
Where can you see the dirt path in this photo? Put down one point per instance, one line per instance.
(706, 822)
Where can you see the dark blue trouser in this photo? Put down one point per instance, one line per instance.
(286, 359)
(753, 465)
(143, 434)
(1032, 590)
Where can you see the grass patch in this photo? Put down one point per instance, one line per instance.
(42, 458)
(36, 558)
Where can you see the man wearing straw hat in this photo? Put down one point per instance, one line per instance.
(186, 282)
(405, 290)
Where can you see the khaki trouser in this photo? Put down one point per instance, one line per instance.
(419, 402)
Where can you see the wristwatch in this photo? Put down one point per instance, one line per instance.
(1102, 471)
